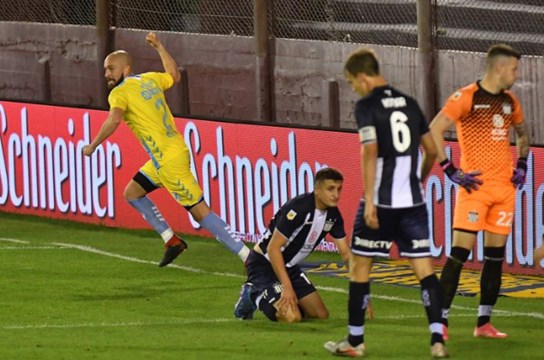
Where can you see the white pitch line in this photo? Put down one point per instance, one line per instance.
(177, 322)
(32, 248)
(332, 289)
(133, 259)
(413, 301)
(17, 241)
(118, 324)
(499, 312)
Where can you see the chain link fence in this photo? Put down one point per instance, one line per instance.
(470, 25)
(225, 17)
(473, 25)
(382, 22)
(81, 12)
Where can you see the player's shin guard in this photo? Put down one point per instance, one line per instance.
(221, 230)
(450, 278)
(359, 297)
(490, 282)
(153, 216)
(431, 296)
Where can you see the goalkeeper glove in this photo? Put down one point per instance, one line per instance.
(469, 181)
(520, 173)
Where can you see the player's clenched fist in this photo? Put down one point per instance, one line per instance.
(88, 150)
(153, 40)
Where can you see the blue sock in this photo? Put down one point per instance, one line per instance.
(220, 229)
(153, 216)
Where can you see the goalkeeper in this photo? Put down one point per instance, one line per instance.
(483, 113)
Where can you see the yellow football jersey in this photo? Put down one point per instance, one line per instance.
(148, 116)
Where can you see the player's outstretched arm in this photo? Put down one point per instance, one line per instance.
(168, 61)
(108, 127)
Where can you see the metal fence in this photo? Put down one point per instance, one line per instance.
(81, 12)
(471, 25)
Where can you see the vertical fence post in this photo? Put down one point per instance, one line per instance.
(331, 104)
(103, 47)
(426, 58)
(45, 73)
(262, 60)
(185, 106)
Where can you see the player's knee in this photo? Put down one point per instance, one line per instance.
(133, 191)
(322, 314)
(289, 317)
(494, 253)
(126, 194)
(459, 254)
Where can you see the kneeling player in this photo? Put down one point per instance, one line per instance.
(275, 284)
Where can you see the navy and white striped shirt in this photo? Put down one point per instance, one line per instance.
(395, 121)
(304, 226)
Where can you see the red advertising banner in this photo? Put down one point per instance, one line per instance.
(246, 171)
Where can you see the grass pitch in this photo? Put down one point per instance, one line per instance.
(73, 291)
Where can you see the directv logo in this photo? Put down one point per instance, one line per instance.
(372, 244)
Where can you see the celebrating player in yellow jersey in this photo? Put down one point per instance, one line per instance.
(139, 100)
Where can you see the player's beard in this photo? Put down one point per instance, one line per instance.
(112, 83)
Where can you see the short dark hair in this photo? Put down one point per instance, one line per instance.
(362, 61)
(328, 174)
(501, 50)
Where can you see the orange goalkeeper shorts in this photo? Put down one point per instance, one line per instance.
(490, 208)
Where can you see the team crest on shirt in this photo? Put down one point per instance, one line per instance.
(506, 108)
(473, 216)
(328, 225)
(291, 214)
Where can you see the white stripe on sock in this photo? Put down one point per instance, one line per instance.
(167, 235)
(485, 310)
(244, 253)
(356, 330)
(436, 328)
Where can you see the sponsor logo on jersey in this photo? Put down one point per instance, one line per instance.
(420, 244)
(498, 121)
(372, 244)
(481, 106)
(291, 214)
(498, 133)
(313, 237)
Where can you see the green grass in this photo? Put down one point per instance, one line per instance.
(61, 302)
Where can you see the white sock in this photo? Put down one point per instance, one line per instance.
(244, 253)
(167, 235)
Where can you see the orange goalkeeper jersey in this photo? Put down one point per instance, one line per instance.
(483, 123)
